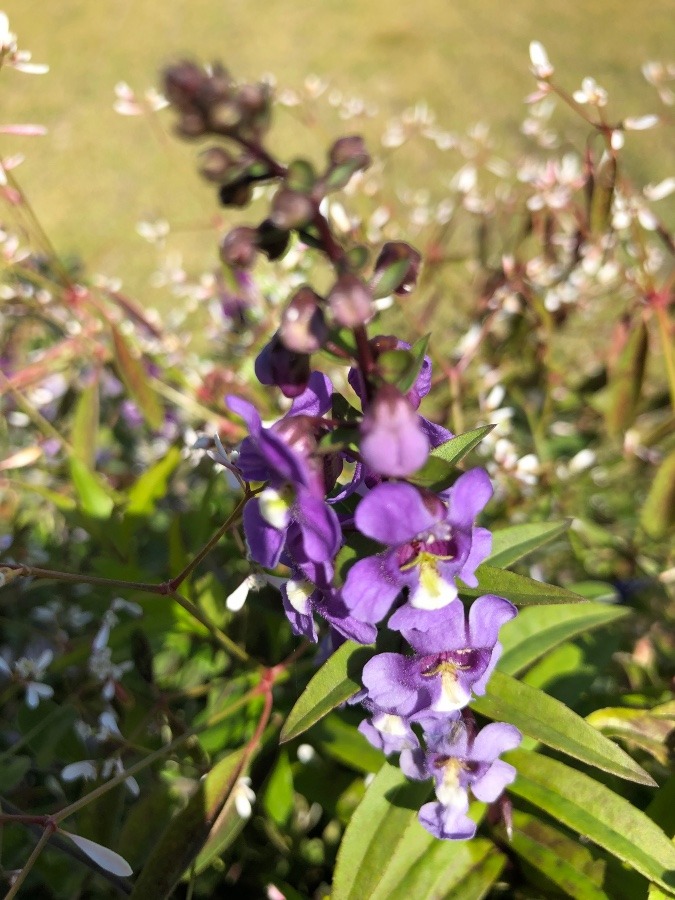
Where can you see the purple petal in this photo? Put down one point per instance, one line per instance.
(331, 607)
(264, 541)
(371, 588)
(468, 495)
(392, 736)
(493, 740)
(436, 434)
(447, 824)
(432, 631)
(415, 764)
(316, 399)
(248, 413)
(395, 686)
(492, 784)
(283, 462)
(486, 616)
(392, 440)
(394, 514)
(301, 623)
(481, 547)
(319, 524)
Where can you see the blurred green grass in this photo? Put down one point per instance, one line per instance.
(97, 174)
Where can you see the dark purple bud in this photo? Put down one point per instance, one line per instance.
(238, 193)
(191, 125)
(392, 440)
(298, 432)
(291, 209)
(224, 116)
(272, 241)
(287, 370)
(184, 83)
(351, 150)
(253, 98)
(395, 253)
(215, 164)
(350, 301)
(239, 247)
(303, 327)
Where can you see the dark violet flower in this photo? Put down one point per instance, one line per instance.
(293, 503)
(302, 600)
(289, 371)
(457, 762)
(454, 656)
(432, 540)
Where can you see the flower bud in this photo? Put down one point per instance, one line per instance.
(191, 125)
(215, 164)
(183, 84)
(303, 327)
(272, 241)
(238, 193)
(239, 247)
(351, 150)
(291, 209)
(224, 116)
(350, 301)
(392, 253)
(287, 370)
(392, 440)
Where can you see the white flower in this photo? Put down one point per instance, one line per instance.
(237, 598)
(661, 190)
(541, 65)
(85, 769)
(640, 123)
(591, 93)
(244, 797)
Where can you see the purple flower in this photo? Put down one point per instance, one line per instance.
(393, 442)
(432, 540)
(292, 505)
(458, 761)
(454, 656)
(302, 600)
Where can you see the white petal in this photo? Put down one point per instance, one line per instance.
(102, 856)
(541, 64)
(84, 769)
(237, 598)
(661, 190)
(640, 123)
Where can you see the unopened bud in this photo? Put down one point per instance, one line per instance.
(183, 83)
(191, 125)
(392, 440)
(282, 367)
(239, 247)
(303, 327)
(291, 209)
(272, 241)
(394, 253)
(253, 98)
(215, 163)
(352, 150)
(238, 193)
(350, 301)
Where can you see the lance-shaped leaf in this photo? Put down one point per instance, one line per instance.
(440, 469)
(187, 832)
(375, 833)
(151, 485)
(538, 629)
(658, 511)
(639, 727)
(596, 812)
(519, 589)
(566, 862)
(85, 424)
(626, 377)
(93, 498)
(338, 679)
(549, 721)
(511, 544)
(136, 380)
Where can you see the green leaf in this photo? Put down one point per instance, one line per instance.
(658, 512)
(552, 723)
(12, 771)
(538, 629)
(440, 469)
(511, 544)
(151, 486)
(95, 501)
(593, 810)
(425, 867)
(338, 679)
(187, 832)
(279, 793)
(415, 357)
(636, 726)
(625, 381)
(344, 742)
(565, 862)
(390, 278)
(478, 882)
(376, 833)
(300, 176)
(519, 589)
(136, 380)
(85, 425)
(340, 176)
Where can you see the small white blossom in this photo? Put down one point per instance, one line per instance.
(244, 797)
(591, 93)
(541, 65)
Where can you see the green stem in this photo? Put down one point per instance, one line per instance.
(666, 344)
(32, 859)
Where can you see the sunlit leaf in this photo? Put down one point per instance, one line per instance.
(519, 589)
(511, 544)
(552, 723)
(658, 512)
(94, 499)
(593, 810)
(136, 380)
(338, 679)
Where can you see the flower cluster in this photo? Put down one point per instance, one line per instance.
(353, 492)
